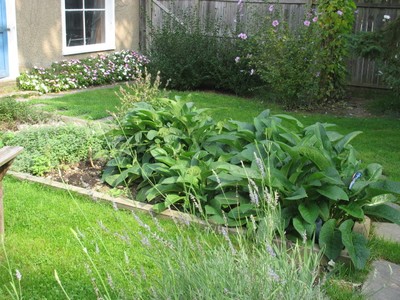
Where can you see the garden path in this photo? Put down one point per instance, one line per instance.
(383, 281)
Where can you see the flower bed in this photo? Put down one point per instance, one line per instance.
(81, 73)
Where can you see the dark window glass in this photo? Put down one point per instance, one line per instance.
(74, 28)
(73, 4)
(95, 4)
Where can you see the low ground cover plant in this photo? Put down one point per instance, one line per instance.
(178, 152)
(49, 147)
(13, 113)
(82, 73)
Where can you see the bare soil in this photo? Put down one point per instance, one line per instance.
(84, 174)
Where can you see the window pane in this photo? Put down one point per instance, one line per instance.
(74, 28)
(73, 4)
(94, 3)
(95, 27)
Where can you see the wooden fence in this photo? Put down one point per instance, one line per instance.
(369, 17)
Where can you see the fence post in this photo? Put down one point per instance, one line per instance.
(7, 156)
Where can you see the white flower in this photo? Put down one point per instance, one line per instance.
(387, 17)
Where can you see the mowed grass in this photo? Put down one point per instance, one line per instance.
(39, 240)
(92, 104)
(379, 141)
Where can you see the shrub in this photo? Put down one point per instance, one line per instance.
(13, 112)
(304, 65)
(81, 73)
(48, 147)
(288, 59)
(200, 54)
(178, 151)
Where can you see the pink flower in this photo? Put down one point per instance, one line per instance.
(307, 23)
(237, 59)
(271, 8)
(275, 23)
(242, 36)
(315, 19)
(340, 13)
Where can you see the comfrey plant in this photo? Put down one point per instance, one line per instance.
(176, 151)
(81, 73)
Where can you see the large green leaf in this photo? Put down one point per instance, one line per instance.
(382, 187)
(309, 212)
(330, 239)
(354, 209)
(373, 172)
(384, 211)
(299, 193)
(171, 199)
(315, 156)
(333, 192)
(340, 145)
(161, 190)
(355, 243)
(242, 211)
(230, 198)
(299, 225)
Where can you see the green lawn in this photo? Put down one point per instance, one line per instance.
(39, 240)
(92, 104)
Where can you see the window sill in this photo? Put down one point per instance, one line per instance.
(87, 49)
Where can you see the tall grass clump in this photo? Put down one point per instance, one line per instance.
(204, 261)
(144, 88)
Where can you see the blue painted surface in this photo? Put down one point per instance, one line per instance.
(3, 40)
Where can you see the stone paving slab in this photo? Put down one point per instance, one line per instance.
(383, 282)
(387, 231)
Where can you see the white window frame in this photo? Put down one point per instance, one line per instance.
(109, 34)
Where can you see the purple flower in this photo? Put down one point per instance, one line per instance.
(271, 8)
(237, 59)
(340, 13)
(315, 19)
(275, 23)
(307, 23)
(242, 36)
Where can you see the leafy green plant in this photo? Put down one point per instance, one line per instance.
(46, 148)
(174, 152)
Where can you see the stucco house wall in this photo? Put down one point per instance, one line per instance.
(39, 31)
